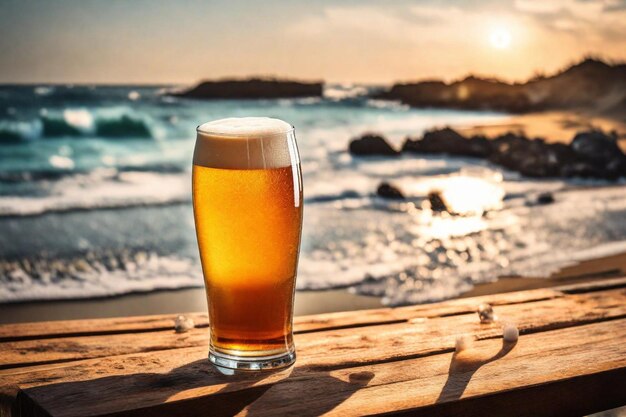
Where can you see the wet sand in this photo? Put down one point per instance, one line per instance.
(552, 126)
(610, 266)
(168, 302)
(307, 302)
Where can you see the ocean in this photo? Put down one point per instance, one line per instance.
(95, 199)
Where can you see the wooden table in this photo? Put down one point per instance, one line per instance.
(570, 360)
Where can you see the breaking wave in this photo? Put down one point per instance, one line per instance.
(94, 274)
(77, 123)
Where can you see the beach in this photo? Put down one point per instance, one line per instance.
(306, 302)
(424, 202)
(95, 205)
(553, 126)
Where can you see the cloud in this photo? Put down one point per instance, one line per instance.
(452, 38)
(538, 7)
(602, 20)
(579, 8)
(384, 24)
(415, 24)
(611, 5)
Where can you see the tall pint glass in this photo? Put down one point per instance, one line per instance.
(247, 201)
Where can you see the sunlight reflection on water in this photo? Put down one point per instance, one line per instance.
(472, 196)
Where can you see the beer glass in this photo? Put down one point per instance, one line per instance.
(247, 202)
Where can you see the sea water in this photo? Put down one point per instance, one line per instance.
(95, 198)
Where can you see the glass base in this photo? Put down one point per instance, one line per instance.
(251, 363)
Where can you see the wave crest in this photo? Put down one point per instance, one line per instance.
(77, 123)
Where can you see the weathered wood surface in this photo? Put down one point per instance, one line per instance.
(570, 359)
(41, 330)
(351, 345)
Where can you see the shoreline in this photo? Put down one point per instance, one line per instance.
(306, 302)
(553, 126)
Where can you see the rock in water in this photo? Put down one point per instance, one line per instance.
(448, 141)
(386, 190)
(371, 144)
(592, 154)
(545, 198)
(616, 168)
(437, 202)
(600, 155)
(596, 146)
(253, 88)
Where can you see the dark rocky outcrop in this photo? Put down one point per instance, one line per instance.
(437, 202)
(254, 88)
(591, 84)
(597, 153)
(530, 157)
(540, 199)
(591, 154)
(545, 198)
(596, 146)
(389, 191)
(470, 93)
(448, 141)
(371, 144)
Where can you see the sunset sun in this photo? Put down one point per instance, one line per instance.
(500, 38)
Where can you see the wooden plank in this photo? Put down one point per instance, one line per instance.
(40, 330)
(351, 319)
(70, 328)
(352, 347)
(349, 345)
(68, 371)
(552, 365)
(346, 343)
(338, 348)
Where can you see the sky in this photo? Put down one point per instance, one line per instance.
(158, 41)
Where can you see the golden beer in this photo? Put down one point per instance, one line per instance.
(247, 198)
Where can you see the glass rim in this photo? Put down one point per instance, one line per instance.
(243, 135)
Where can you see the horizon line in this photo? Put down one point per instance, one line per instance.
(572, 63)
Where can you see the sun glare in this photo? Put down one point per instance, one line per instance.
(500, 38)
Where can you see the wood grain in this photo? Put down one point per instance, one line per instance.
(71, 328)
(418, 334)
(42, 330)
(302, 324)
(383, 359)
(565, 357)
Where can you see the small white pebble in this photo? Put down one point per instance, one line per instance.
(183, 324)
(510, 333)
(485, 313)
(463, 342)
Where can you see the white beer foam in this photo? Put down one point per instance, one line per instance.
(245, 143)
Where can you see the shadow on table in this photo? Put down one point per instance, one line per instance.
(463, 366)
(196, 389)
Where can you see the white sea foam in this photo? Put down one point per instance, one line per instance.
(108, 188)
(395, 250)
(150, 273)
(343, 91)
(412, 255)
